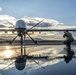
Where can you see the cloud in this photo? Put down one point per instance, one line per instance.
(0, 9)
(46, 22)
(7, 17)
(30, 21)
(3, 19)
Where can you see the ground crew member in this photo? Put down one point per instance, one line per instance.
(69, 38)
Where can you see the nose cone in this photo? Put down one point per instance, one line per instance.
(20, 24)
(20, 63)
(20, 66)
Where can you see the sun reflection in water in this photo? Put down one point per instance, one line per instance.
(8, 52)
(7, 47)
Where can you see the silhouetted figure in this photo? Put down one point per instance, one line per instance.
(69, 38)
(68, 41)
(69, 56)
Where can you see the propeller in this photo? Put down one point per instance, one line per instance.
(13, 40)
(32, 28)
(16, 52)
(9, 64)
(10, 22)
(32, 39)
(39, 64)
(36, 24)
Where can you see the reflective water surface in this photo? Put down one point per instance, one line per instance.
(52, 67)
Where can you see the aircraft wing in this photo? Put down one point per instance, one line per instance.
(36, 30)
(43, 30)
(46, 58)
(7, 29)
(29, 57)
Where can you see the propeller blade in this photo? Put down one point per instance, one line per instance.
(38, 64)
(36, 24)
(9, 64)
(13, 40)
(32, 39)
(10, 22)
(33, 26)
(16, 52)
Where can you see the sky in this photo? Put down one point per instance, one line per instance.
(60, 10)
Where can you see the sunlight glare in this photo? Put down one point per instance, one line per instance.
(7, 47)
(7, 53)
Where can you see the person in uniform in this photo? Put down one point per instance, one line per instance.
(69, 38)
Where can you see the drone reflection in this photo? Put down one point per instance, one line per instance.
(52, 51)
